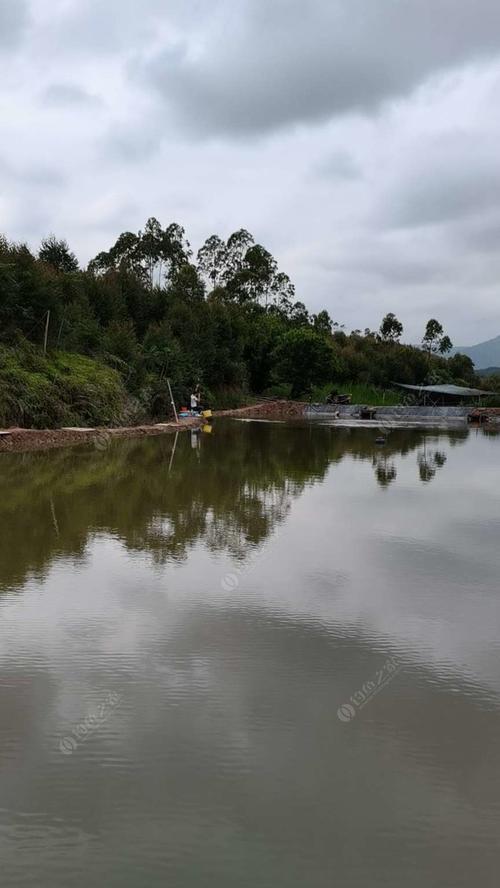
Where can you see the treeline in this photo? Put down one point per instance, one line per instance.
(226, 319)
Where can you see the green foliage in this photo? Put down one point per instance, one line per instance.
(63, 389)
(434, 340)
(229, 323)
(360, 394)
(58, 255)
(391, 330)
(305, 358)
(372, 396)
(461, 368)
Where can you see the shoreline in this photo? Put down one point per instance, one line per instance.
(19, 440)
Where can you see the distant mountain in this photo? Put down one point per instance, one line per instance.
(485, 355)
(490, 371)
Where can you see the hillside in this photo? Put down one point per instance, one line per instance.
(484, 355)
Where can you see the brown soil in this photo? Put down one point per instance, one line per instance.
(16, 440)
(22, 440)
(269, 409)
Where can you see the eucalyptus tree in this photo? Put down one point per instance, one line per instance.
(391, 329)
(58, 254)
(434, 340)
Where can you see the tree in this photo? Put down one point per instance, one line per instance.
(462, 368)
(213, 260)
(58, 254)
(434, 340)
(445, 345)
(391, 329)
(237, 247)
(149, 249)
(305, 358)
(152, 254)
(322, 322)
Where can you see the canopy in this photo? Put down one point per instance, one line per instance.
(457, 391)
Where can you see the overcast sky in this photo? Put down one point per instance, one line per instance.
(357, 139)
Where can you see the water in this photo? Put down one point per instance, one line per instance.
(270, 658)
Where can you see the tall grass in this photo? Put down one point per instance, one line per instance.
(360, 394)
(47, 391)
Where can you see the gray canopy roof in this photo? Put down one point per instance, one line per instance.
(457, 390)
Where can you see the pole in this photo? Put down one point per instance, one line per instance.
(172, 400)
(173, 453)
(59, 334)
(46, 333)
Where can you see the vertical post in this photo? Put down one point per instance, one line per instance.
(172, 400)
(173, 453)
(46, 333)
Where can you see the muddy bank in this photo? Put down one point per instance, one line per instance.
(269, 410)
(17, 440)
(24, 440)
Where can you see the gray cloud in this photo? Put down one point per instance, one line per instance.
(98, 28)
(13, 21)
(67, 94)
(33, 175)
(481, 234)
(451, 178)
(128, 143)
(338, 165)
(393, 208)
(265, 65)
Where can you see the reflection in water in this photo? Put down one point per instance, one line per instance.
(164, 494)
(163, 726)
(429, 461)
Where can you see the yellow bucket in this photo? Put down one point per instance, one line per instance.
(207, 414)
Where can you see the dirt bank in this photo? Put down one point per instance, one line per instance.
(268, 410)
(23, 440)
(16, 440)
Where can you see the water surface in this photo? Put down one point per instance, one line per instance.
(269, 657)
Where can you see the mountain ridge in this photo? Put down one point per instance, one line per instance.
(485, 355)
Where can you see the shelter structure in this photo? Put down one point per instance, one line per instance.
(444, 395)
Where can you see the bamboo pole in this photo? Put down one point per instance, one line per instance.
(173, 453)
(46, 333)
(172, 400)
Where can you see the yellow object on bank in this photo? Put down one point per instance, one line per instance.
(207, 414)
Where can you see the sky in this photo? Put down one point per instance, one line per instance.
(358, 140)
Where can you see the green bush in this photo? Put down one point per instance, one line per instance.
(57, 390)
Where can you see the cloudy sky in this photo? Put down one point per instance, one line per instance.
(357, 139)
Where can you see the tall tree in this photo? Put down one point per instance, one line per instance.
(213, 260)
(434, 340)
(391, 329)
(322, 322)
(58, 254)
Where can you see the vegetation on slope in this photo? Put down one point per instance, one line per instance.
(60, 390)
(145, 311)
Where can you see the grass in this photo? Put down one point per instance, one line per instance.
(59, 389)
(360, 394)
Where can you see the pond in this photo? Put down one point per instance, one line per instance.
(265, 656)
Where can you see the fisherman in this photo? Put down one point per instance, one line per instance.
(194, 402)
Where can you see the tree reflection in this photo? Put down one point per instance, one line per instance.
(429, 461)
(231, 489)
